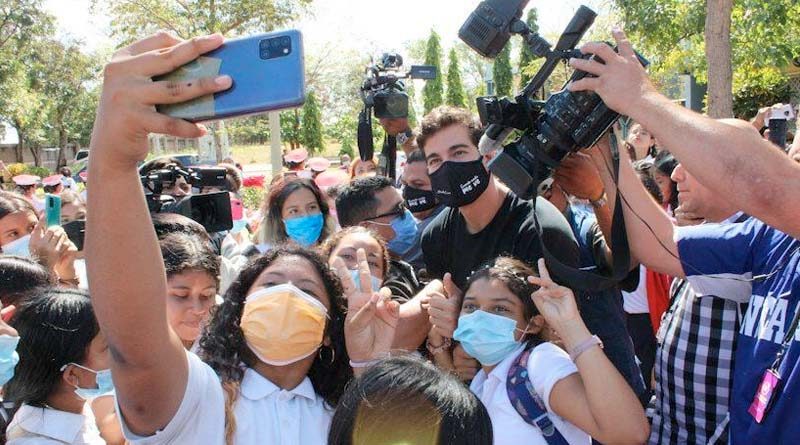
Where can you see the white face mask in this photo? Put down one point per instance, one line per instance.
(18, 247)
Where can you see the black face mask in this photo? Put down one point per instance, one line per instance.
(460, 183)
(418, 200)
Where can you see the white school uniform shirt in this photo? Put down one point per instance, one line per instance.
(47, 426)
(264, 413)
(547, 364)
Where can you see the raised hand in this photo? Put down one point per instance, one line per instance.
(621, 82)
(556, 303)
(579, 177)
(444, 308)
(372, 317)
(5, 315)
(126, 113)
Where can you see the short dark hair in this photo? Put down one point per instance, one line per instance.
(444, 116)
(168, 223)
(233, 177)
(415, 156)
(21, 277)
(357, 201)
(65, 171)
(408, 400)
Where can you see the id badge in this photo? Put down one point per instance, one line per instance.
(764, 395)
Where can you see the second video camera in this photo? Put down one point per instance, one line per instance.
(383, 89)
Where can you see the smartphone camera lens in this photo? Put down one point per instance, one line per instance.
(275, 47)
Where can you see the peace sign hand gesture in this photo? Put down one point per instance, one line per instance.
(371, 316)
(556, 303)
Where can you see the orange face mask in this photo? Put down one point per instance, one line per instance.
(282, 324)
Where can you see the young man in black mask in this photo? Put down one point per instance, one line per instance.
(420, 199)
(484, 218)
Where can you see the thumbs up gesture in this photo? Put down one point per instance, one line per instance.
(443, 308)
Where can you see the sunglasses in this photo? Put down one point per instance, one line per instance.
(398, 211)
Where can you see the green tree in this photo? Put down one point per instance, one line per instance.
(311, 133)
(671, 34)
(62, 73)
(455, 89)
(412, 112)
(503, 77)
(525, 55)
(290, 127)
(434, 88)
(131, 20)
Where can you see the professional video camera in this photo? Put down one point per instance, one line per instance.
(566, 122)
(383, 88)
(212, 210)
(384, 91)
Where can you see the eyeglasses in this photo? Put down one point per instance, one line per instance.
(398, 211)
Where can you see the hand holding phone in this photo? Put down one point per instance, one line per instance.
(267, 72)
(52, 208)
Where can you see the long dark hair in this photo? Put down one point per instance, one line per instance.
(184, 252)
(666, 163)
(514, 274)
(223, 345)
(20, 278)
(55, 328)
(408, 400)
(274, 231)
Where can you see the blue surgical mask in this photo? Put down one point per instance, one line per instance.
(305, 230)
(239, 225)
(18, 247)
(103, 380)
(405, 233)
(489, 338)
(356, 276)
(8, 357)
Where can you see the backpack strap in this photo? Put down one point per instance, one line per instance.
(527, 403)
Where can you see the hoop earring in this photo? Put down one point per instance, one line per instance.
(333, 354)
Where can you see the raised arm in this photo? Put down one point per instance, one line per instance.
(649, 229)
(126, 274)
(761, 175)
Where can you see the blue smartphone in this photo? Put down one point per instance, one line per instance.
(52, 210)
(268, 73)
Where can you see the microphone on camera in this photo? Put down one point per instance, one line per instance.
(493, 138)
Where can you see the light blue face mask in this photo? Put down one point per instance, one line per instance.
(8, 357)
(239, 225)
(103, 380)
(18, 247)
(489, 338)
(376, 283)
(305, 230)
(405, 233)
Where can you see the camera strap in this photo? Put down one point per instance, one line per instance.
(366, 147)
(582, 280)
(389, 154)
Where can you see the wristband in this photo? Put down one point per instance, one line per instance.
(599, 202)
(438, 349)
(585, 345)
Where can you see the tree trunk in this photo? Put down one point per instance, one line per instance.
(37, 154)
(62, 145)
(19, 152)
(718, 55)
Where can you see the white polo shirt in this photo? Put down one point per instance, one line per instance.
(44, 426)
(547, 364)
(264, 413)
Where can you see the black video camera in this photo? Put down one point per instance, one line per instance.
(212, 210)
(383, 88)
(565, 123)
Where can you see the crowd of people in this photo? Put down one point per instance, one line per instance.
(354, 308)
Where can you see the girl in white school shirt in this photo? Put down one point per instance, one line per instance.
(499, 321)
(276, 342)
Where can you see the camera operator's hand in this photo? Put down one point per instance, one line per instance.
(621, 82)
(579, 177)
(126, 113)
(394, 126)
